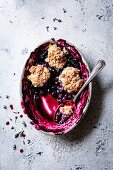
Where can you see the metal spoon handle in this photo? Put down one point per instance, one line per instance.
(98, 67)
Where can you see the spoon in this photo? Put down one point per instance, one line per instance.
(98, 67)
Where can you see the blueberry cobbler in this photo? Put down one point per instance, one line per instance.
(54, 73)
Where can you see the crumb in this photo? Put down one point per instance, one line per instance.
(66, 110)
(43, 17)
(14, 74)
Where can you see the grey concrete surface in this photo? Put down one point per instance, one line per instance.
(89, 25)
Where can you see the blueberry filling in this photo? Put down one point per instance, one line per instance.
(54, 86)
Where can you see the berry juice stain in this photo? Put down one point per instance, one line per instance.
(21, 116)
(21, 150)
(11, 107)
(7, 123)
(24, 135)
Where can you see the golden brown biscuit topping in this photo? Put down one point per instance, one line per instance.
(66, 110)
(39, 75)
(56, 58)
(71, 80)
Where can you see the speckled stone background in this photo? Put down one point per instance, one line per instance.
(89, 25)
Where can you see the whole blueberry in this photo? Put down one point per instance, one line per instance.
(60, 96)
(59, 101)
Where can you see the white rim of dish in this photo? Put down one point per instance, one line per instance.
(89, 97)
